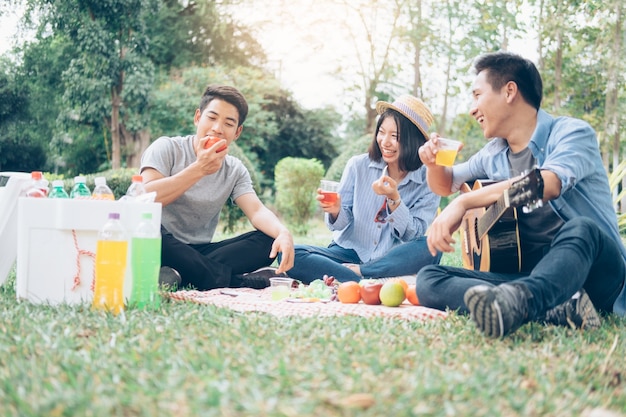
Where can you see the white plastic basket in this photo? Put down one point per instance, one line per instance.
(57, 242)
(11, 183)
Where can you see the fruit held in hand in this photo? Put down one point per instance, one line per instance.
(392, 294)
(212, 140)
(349, 292)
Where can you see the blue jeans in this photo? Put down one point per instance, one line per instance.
(313, 262)
(581, 255)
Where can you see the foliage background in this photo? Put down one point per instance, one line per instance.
(85, 88)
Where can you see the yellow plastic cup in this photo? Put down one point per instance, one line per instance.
(447, 150)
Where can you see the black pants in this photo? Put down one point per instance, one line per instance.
(580, 256)
(212, 265)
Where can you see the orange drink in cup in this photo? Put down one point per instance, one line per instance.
(329, 191)
(446, 151)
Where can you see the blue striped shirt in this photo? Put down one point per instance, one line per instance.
(355, 228)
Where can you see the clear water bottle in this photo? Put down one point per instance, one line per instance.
(38, 186)
(58, 190)
(136, 187)
(111, 253)
(80, 189)
(102, 191)
(146, 263)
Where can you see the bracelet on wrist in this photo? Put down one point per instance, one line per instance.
(392, 202)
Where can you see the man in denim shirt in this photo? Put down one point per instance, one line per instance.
(572, 256)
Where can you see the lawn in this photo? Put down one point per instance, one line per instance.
(196, 360)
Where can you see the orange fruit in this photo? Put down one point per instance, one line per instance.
(402, 282)
(349, 292)
(411, 295)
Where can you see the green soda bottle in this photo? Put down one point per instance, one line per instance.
(58, 191)
(146, 263)
(80, 189)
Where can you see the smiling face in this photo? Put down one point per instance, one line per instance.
(489, 107)
(219, 118)
(387, 138)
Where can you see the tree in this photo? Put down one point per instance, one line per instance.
(377, 28)
(276, 126)
(116, 47)
(17, 151)
(109, 76)
(195, 33)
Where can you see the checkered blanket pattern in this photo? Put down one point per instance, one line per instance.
(250, 300)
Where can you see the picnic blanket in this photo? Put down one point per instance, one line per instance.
(250, 300)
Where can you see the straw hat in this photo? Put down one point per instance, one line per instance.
(412, 108)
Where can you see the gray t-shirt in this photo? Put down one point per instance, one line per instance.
(193, 217)
(537, 228)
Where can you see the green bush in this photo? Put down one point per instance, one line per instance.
(296, 180)
(231, 215)
(615, 179)
(118, 180)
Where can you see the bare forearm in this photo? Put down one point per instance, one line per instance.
(484, 196)
(267, 222)
(439, 180)
(168, 189)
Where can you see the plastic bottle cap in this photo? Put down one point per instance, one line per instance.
(115, 216)
(100, 180)
(57, 183)
(137, 178)
(36, 175)
(79, 179)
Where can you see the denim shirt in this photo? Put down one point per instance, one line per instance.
(567, 147)
(355, 228)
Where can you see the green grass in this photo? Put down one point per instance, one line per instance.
(196, 360)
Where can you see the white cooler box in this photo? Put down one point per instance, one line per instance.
(11, 183)
(56, 246)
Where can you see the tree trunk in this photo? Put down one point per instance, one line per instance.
(417, 58)
(116, 154)
(139, 141)
(611, 114)
(542, 20)
(558, 69)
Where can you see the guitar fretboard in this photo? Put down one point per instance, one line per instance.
(492, 215)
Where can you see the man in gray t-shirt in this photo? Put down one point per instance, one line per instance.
(193, 177)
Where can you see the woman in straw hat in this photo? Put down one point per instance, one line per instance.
(384, 205)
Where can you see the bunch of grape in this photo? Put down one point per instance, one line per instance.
(332, 283)
(323, 289)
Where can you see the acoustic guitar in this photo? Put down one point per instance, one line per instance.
(490, 236)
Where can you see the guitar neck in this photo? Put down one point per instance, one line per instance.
(492, 215)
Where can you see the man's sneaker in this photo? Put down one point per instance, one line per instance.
(258, 279)
(169, 278)
(498, 310)
(578, 313)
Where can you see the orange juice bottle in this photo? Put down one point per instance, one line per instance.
(102, 190)
(111, 252)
